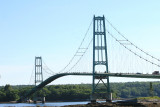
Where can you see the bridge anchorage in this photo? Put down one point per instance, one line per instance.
(100, 59)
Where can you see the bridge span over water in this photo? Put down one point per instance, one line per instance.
(128, 57)
(97, 75)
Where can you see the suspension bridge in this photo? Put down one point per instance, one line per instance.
(112, 55)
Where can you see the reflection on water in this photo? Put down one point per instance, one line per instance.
(42, 105)
(51, 104)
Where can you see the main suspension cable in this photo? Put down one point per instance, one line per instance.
(132, 50)
(78, 49)
(31, 75)
(131, 42)
(48, 68)
(81, 56)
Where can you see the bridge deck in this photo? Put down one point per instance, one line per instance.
(56, 76)
(120, 75)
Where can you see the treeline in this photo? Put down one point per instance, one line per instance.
(80, 92)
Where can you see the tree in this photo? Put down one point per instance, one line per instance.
(2, 96)
(7, 87)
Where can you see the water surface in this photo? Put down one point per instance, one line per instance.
(43, 105)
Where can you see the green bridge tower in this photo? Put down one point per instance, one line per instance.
(100, 59)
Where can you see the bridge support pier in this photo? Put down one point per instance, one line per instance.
(43, 100)
(109, 97)
(94, 97)
(39, 99)
(35, 100)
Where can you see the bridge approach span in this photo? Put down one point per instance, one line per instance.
(99, 75)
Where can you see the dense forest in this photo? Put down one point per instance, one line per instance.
(80, 91)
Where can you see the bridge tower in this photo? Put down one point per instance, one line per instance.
(38, 70)
(38, 77)
(100, 59)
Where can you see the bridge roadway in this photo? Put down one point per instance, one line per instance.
(99, 75)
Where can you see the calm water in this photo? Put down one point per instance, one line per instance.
(43, 105)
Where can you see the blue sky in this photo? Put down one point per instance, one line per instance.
(54, 29)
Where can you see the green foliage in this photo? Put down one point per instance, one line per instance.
(149, 98)
(68, 92)
(7, 87)
(81, 91)
(8, 94)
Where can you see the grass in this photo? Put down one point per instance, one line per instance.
(148, 98)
